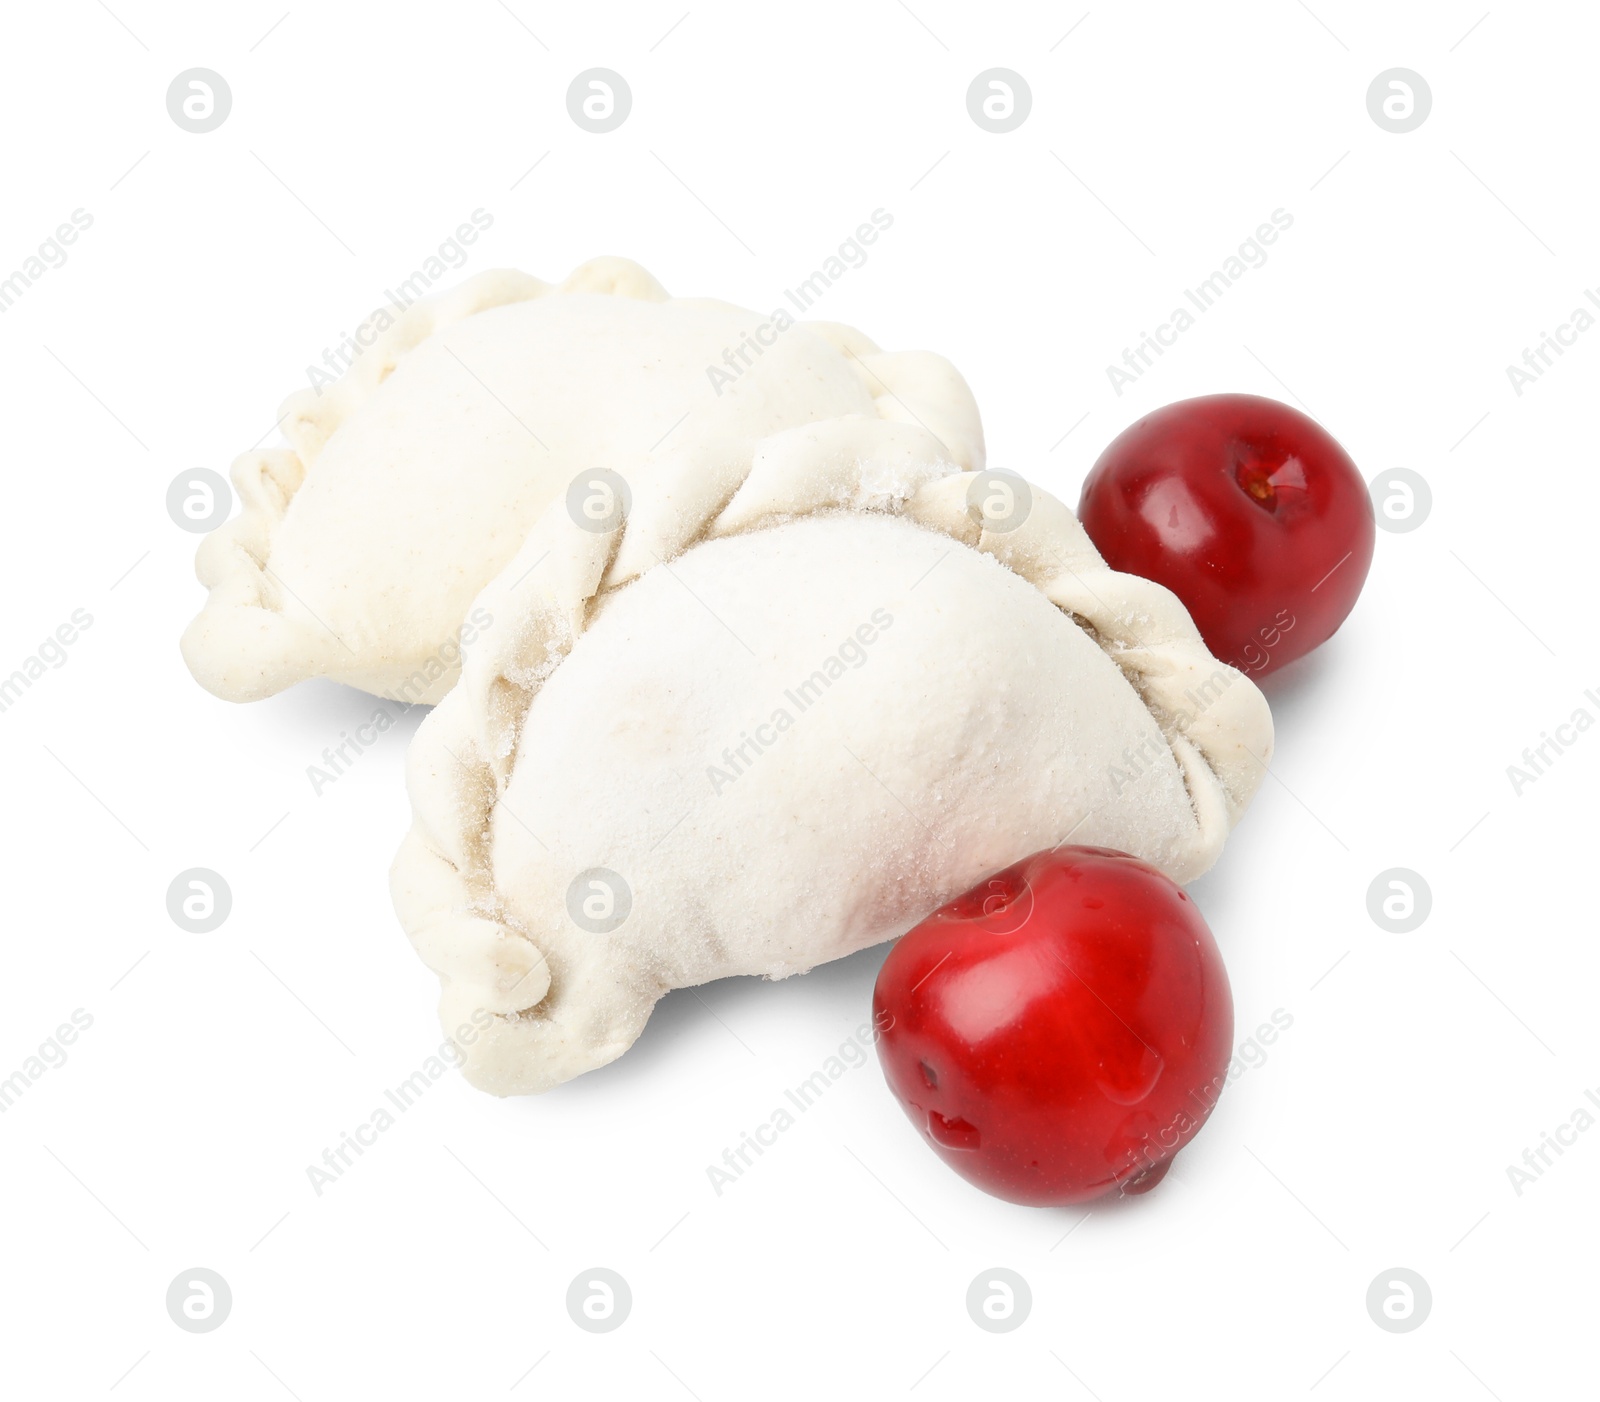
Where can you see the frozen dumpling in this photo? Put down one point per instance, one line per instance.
(808, 689)
(413, 480)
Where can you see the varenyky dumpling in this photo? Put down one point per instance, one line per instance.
(415, 478)
(799, 698)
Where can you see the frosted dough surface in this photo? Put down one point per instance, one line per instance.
(980, 725)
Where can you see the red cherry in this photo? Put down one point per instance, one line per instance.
(1061, 1030)
(1248, 511)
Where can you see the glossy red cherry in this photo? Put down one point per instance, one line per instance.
(1061, 1030)
(1248, 511)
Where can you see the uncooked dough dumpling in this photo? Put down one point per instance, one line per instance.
(415, 478)
(801, 696)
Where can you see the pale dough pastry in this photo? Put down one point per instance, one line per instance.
(795, 702)
(414, 479)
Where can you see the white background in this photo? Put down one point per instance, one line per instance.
(1378, 1131)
